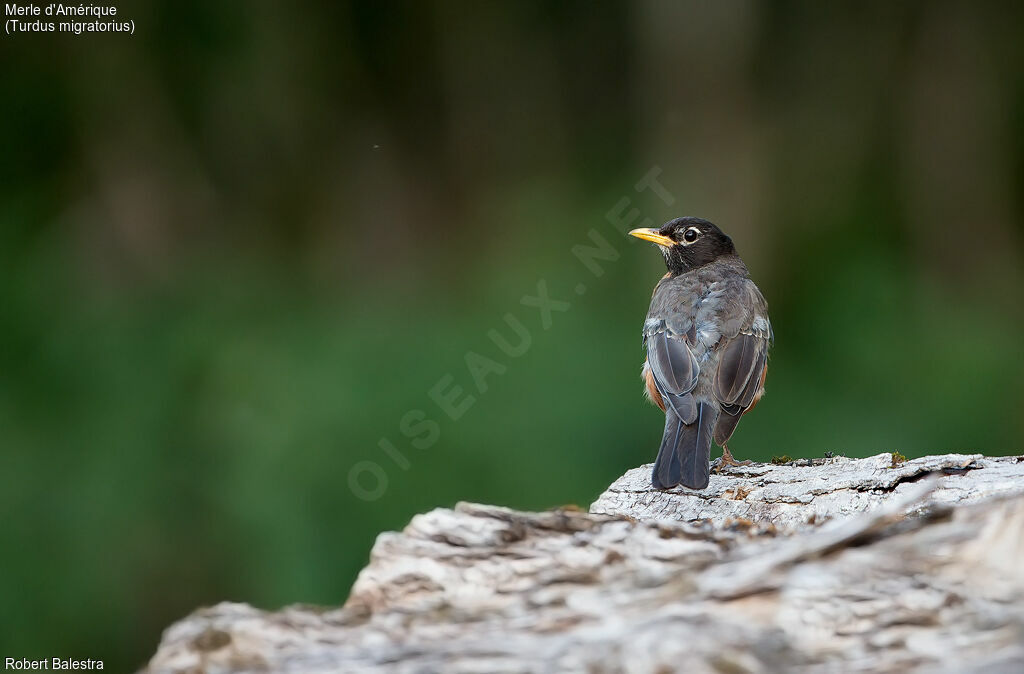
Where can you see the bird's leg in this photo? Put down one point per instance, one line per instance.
(727, 460)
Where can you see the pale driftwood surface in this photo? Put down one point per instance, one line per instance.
(928, 576)
(811, 491)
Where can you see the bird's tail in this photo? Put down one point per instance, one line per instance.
(685, 453)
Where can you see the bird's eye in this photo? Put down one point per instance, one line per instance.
(691, 234)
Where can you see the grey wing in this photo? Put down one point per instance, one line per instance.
(742, 364)
(674, 368)
(739, 372)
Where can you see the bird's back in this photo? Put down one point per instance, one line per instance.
(709, 304)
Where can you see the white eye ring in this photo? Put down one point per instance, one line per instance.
(687, 240)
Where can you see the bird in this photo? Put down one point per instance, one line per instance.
(707, 337)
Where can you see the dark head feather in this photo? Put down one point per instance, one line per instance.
(698, 242)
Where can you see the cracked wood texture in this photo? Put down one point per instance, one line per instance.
(838, 565)
(815, 490)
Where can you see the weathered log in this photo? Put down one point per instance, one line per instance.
(813, 491)
(840, 565)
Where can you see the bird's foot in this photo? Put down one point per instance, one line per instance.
(727, 460)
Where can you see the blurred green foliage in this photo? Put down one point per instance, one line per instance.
(236, 248)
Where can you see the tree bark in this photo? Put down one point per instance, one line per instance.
(825, 566)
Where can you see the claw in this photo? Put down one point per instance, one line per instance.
(719, 464)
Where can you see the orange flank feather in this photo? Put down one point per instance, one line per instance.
(760, 390)
(652, 389)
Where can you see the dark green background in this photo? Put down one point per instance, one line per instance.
(239, 246)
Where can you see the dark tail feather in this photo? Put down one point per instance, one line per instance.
(685, 453)
(667, 469)
(726, 426)
(694, 447)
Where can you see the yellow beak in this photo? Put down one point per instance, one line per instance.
(653, 236)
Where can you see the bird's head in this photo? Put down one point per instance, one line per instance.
(688, 243)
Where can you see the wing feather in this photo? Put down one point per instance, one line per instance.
(675, 371)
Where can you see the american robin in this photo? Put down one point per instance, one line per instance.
(707, 336)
